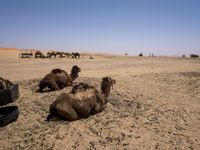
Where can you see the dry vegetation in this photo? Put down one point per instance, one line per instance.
(155, 104)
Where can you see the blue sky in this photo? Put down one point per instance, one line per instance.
(162, 27)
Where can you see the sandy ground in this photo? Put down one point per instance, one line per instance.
(155, 104)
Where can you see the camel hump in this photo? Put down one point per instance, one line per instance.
(62, 97)
(48, 77)
(83, 91)
(59, 71)
(56, 70)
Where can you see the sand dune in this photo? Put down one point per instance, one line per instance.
(154, 104)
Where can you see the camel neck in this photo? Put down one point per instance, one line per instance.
(106, 92)
(73, 76)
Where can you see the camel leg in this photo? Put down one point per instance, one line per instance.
(66, 111)
(53, 85)
(42, 86)
(98, 108)
(50, 116)
(52, 111)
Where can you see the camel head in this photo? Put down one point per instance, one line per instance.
(74, 72)
(107, 82)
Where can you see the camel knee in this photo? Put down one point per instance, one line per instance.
(70, 115)
(54, 86)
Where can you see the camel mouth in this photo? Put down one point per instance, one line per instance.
(113, 81)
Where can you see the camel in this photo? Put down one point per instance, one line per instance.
(140, 55)
(58, 79)
(74, 72)
(68, 54)
(60, 54)
(39, 54)
(75, 55)
(5, 84)
(50, 54)
(82, 101)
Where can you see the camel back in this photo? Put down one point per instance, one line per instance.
(83, 92)
(83, 95)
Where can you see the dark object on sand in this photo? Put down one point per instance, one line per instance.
(9, 92)
(58, 79)
(194, 56)
(8, 114)
(140, 55)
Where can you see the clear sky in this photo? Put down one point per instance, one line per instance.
(162, 27)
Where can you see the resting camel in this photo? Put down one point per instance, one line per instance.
(39, 54)
(82, 101)
(58, 79)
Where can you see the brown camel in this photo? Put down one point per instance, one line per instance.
(39, 54)
(82, 101)
(58, 79)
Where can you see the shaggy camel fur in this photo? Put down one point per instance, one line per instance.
(39, 54)
(58, 79)
(82, 101)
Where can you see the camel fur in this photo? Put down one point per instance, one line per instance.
(82, 101)
(58, 79)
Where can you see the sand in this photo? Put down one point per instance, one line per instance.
(155, 104)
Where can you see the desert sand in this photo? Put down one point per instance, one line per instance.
(155, 104)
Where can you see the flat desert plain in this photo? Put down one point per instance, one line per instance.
(155, 104)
